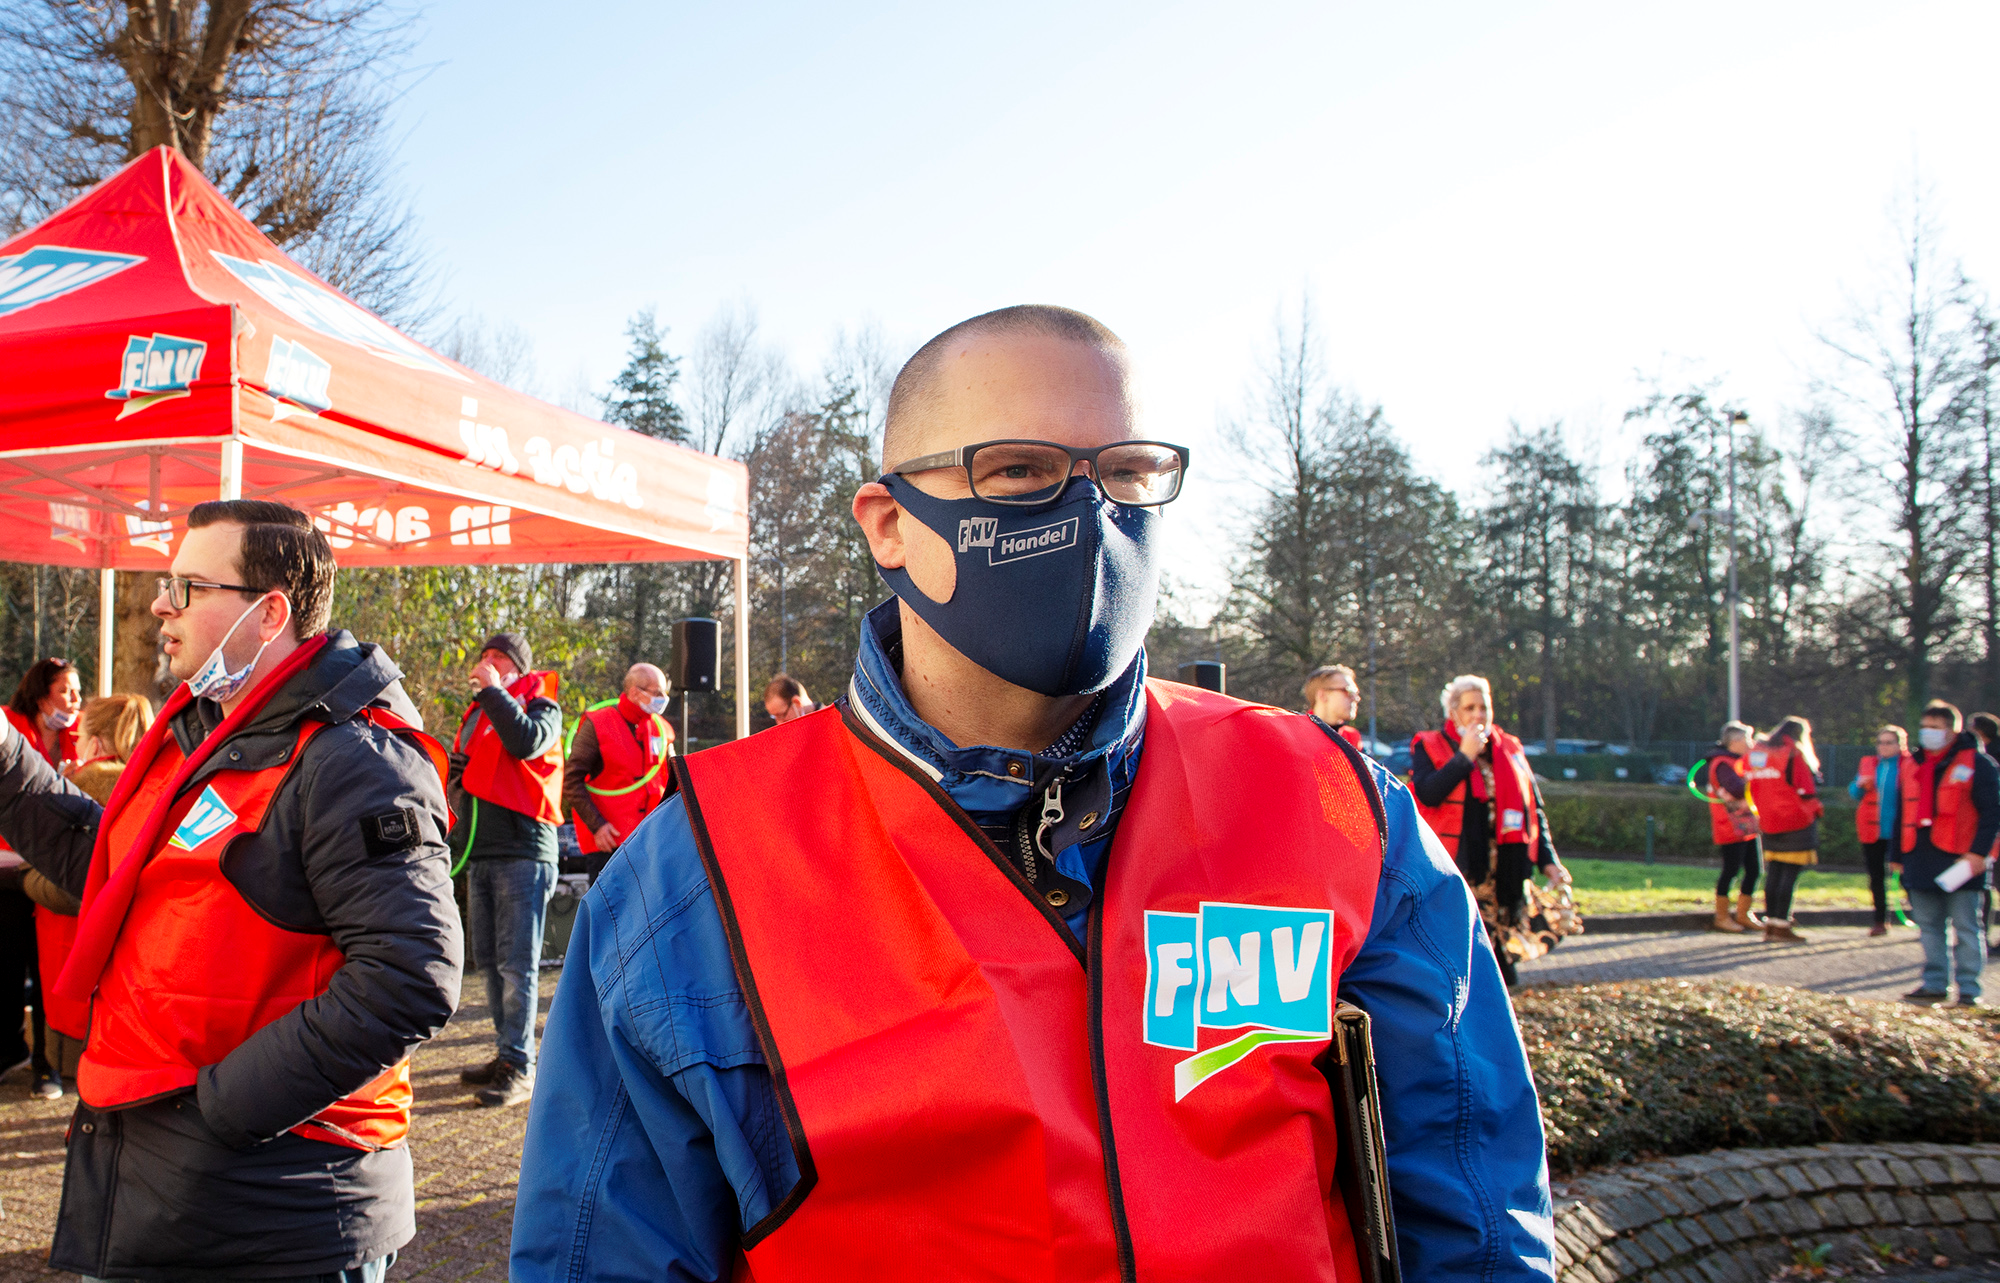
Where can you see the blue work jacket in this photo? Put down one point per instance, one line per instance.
(655, 1138)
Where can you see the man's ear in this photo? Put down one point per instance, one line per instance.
(880, 519)
(277, 617)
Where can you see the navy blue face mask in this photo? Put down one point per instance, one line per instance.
(1056, 599)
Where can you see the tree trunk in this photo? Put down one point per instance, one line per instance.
(135, 665)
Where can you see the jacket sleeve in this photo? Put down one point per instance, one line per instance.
(585, 760)
(524, 731)
(1433, 781)
(1985, 801)
(50, 822)
(1468, 1176)
(387, 905)
(661, 1140)
(1545, 842)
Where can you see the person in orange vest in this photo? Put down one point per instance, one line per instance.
(1013, 963)
(1334, 697)
(506, 791)
(785, 699)
(1950, 820)
(1877, 785)
(267, 931)
(44, 709)
(1477, 792)
(1733, 825)
(616, 771)
(1783, 770)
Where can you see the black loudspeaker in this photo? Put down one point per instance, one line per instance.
(697, 655)
(1209, 674)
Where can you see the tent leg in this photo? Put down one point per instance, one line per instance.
(107, 625)
(742, 648)
(232, 469)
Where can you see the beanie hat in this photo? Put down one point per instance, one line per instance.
(513, 646)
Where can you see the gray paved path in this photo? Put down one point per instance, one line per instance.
(1842, 960)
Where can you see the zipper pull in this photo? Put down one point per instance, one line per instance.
(1052, 814)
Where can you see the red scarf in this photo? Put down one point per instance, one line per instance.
(107, 897)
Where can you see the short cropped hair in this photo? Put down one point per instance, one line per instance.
(915, 389)
(1903, 736)
(1321, 678)
(1735, 730)
(787, 688)
(282, 551)
(1948, 711)
(1457, 686)
(1984, 725)
(117, 721)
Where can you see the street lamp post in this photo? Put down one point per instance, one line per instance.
(1735, 601)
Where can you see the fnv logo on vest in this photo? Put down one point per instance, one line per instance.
(1264, 970)
(1033, 543)
(209, 816)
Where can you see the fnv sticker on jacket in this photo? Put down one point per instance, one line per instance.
(1268, 971)
(1512, 821)
(209, 816)
(1023, 544)
(1960, 774)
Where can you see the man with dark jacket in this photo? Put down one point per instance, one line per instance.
(615, 774)
(266, 933)
(1950, 817)
(506, 791)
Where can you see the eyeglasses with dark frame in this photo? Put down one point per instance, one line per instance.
(1029, 473)
(179, 590)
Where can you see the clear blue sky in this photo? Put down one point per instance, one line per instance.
(1502, 211)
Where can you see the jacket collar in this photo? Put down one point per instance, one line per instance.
(343, 679)
(982, 778)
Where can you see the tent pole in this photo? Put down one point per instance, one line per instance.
(232, 469)
(743, 647)
(107, 625)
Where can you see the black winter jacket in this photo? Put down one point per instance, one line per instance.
(210, 1183)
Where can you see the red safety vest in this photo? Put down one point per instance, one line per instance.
(1348, 733)
(1780, 808)
(165, 997)
(54, 932)
(961, 1086)
(1953, 821)
(1722, 824)
(492, 774)
(634, 778)
(1868, 815)
(1513, 778)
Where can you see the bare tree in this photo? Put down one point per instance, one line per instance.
(735, 380)
(1915, 368)
(283, 104)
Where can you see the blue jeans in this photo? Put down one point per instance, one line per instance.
(1967, 954)
(368, 1272)
(510, 902)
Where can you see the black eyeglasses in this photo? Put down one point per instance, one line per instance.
(1133, 474)
(179, 590)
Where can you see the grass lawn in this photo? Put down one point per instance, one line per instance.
(1627, 886)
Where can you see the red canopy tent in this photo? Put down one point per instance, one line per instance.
(158, 351)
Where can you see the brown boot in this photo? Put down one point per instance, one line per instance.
(1723, 922)
(1779, 931)
(1746, 915)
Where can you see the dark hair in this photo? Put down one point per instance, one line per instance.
(1986, 726)
(1798, 731)
(1948, 711)
(916, 383)
(36, 684)
(282, 550)
(786, 687)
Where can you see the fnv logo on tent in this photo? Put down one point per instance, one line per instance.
(209, 816)
(51, 271)
(1267, 971)
(155, 370)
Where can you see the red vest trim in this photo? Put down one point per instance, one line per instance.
(932, 1016)
(492, 774)
(634, 779)
(1780, 809)
(1513, 779)
(1954, 822)
(1868, 816)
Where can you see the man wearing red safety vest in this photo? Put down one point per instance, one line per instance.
(616, 772)
(266, 932)
(1950, 803)
(506, 794)
(1013, 964)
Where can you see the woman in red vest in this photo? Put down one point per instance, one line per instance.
(1783, 771)
(1877, 785)
(1475, 789)
(44, 710)
(1733, 824)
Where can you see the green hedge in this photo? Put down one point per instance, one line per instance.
(1660, 1067)
(1612, 817)
(1601, 767)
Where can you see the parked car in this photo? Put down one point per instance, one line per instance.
(1535, 748)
